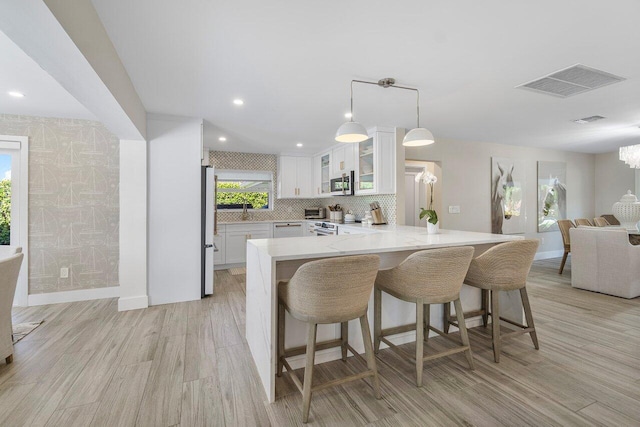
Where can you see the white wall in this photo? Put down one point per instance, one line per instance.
(466, 182)
(613, 179)
(174, 209)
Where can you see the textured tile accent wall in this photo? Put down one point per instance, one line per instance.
(73, 202)
(284, 209)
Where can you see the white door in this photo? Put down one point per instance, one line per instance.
(209, 247)
(13, 205)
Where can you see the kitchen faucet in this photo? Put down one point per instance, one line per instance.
(245, 213)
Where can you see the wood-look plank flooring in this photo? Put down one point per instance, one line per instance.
(188, 364)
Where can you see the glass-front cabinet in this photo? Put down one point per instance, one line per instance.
(366, 166)
(322, 174)
(375, 163)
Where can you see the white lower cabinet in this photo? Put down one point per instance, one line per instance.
(235, 240)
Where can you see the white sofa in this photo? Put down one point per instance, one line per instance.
(603, 260)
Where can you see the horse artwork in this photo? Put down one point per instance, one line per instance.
(507, 202)
(552, 195)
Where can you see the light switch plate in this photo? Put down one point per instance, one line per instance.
(454, 209)
(64, 273)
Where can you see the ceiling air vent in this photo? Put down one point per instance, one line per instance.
(572, 81)
(588, 120)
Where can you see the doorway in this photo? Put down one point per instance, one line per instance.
(14, 157)
(417, 193)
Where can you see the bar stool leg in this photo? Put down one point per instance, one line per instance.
(419, 342)
(463, 332)
(308, 371)
(377, 318)
(368, 349)
(344, 336)
(280, 338)
(427, 321)
(495, 324)
(485, 307)
(529, 317)
(447, 317)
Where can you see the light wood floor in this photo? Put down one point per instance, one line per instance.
(188, 364)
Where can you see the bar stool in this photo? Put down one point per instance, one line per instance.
(426, 277)
(504, 267)
(328, 291)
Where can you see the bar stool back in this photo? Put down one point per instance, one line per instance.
(504, 267)
(333, 290)
(426, 277)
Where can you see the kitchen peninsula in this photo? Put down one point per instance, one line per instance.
(271, 260)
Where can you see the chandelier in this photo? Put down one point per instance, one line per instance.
(631, 155)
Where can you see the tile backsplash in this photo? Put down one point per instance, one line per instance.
(284, 209)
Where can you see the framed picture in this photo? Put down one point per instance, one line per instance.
(507, 196)
(552, 195)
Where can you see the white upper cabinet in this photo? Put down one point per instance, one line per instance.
(294, 177)
(322, 174)
(376, 163)
(342, 160)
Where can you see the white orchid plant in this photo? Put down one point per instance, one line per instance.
(429, 179)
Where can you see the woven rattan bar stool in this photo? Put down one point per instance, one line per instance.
(425, 277)
(504, 267)
(322, 292)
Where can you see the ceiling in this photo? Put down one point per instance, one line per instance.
(291, 63)
(43, 94)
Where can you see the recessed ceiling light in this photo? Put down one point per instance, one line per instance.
(238, 101)
(299, 144)
(222, 139)
(16, 94)
(347, 115)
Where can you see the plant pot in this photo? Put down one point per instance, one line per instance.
(433, 228)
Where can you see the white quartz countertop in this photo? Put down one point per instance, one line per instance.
(268, 221)
(391, 238)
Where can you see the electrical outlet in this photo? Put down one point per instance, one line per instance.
(542, 240)
(454, 209)
(64, 273)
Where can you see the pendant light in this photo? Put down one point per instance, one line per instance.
(354, 132)
(418, 137)
(351, 131)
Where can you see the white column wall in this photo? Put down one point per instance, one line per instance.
(133, 225)
(174, 209)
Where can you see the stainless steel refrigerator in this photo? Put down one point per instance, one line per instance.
(209, 228)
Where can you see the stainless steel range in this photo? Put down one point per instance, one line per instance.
(326, 229)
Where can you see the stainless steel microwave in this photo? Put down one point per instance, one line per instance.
(343, 186)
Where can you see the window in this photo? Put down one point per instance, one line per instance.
(237, 187)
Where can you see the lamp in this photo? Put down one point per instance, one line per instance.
(631, 155)
(355, 132)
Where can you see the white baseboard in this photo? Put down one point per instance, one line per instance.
(72, 296)
(133, 303)
(549, 254)
(335, 353)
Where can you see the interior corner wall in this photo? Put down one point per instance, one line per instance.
(466, 182)
(74, 209)
(613, 179)
(174, 209)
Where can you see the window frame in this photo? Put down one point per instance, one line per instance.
(245, 175)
